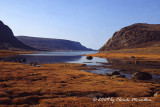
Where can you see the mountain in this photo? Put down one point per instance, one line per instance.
(139, 35)
(9, 41)
(51, 44)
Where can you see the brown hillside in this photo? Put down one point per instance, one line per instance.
(138, 35)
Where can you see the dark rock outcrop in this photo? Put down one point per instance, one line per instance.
(89, 57)
(8, 40)
(52, 44)
(138, 35)
(115, 73)
(142, 76)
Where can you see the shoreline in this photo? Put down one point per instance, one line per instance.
(127, 56)
(128, 59)
(6, 53)
(150, 53)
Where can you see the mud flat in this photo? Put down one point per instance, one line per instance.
(63, 84)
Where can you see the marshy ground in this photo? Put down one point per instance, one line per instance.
(63, 84)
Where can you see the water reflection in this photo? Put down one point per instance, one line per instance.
(49, 57)
(127, 66)
(43, 59)
(138, 63)
(58, 57)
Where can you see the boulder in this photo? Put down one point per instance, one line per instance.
(142, 76)
(115, 73)
(89, 57)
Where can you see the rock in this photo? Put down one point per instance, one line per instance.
(115, 73)
(106, 74)
(122, 76)
(142, 76)
(38, 65)
(34, 64)
(157, 93)
(17, 60)
(132, 57)
(31, 63)
(89, 57)
(23, 60)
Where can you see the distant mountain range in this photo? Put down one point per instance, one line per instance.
(52, 44)
(138, 35)
(9, 41)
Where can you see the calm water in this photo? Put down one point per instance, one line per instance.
(58, 57)
(70, 57)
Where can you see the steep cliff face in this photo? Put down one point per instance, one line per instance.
(52, 44)
(8, 40)
(138, 35)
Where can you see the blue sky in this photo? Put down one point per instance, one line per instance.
(91, 22)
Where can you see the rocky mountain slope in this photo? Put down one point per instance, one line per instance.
(52, 44)
(139, 35)
(8, 40)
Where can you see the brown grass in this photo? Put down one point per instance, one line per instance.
(150, 52)
(63, 85)
(127, 55)
(10, 52)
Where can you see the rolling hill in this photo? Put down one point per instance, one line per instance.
(139, 35)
